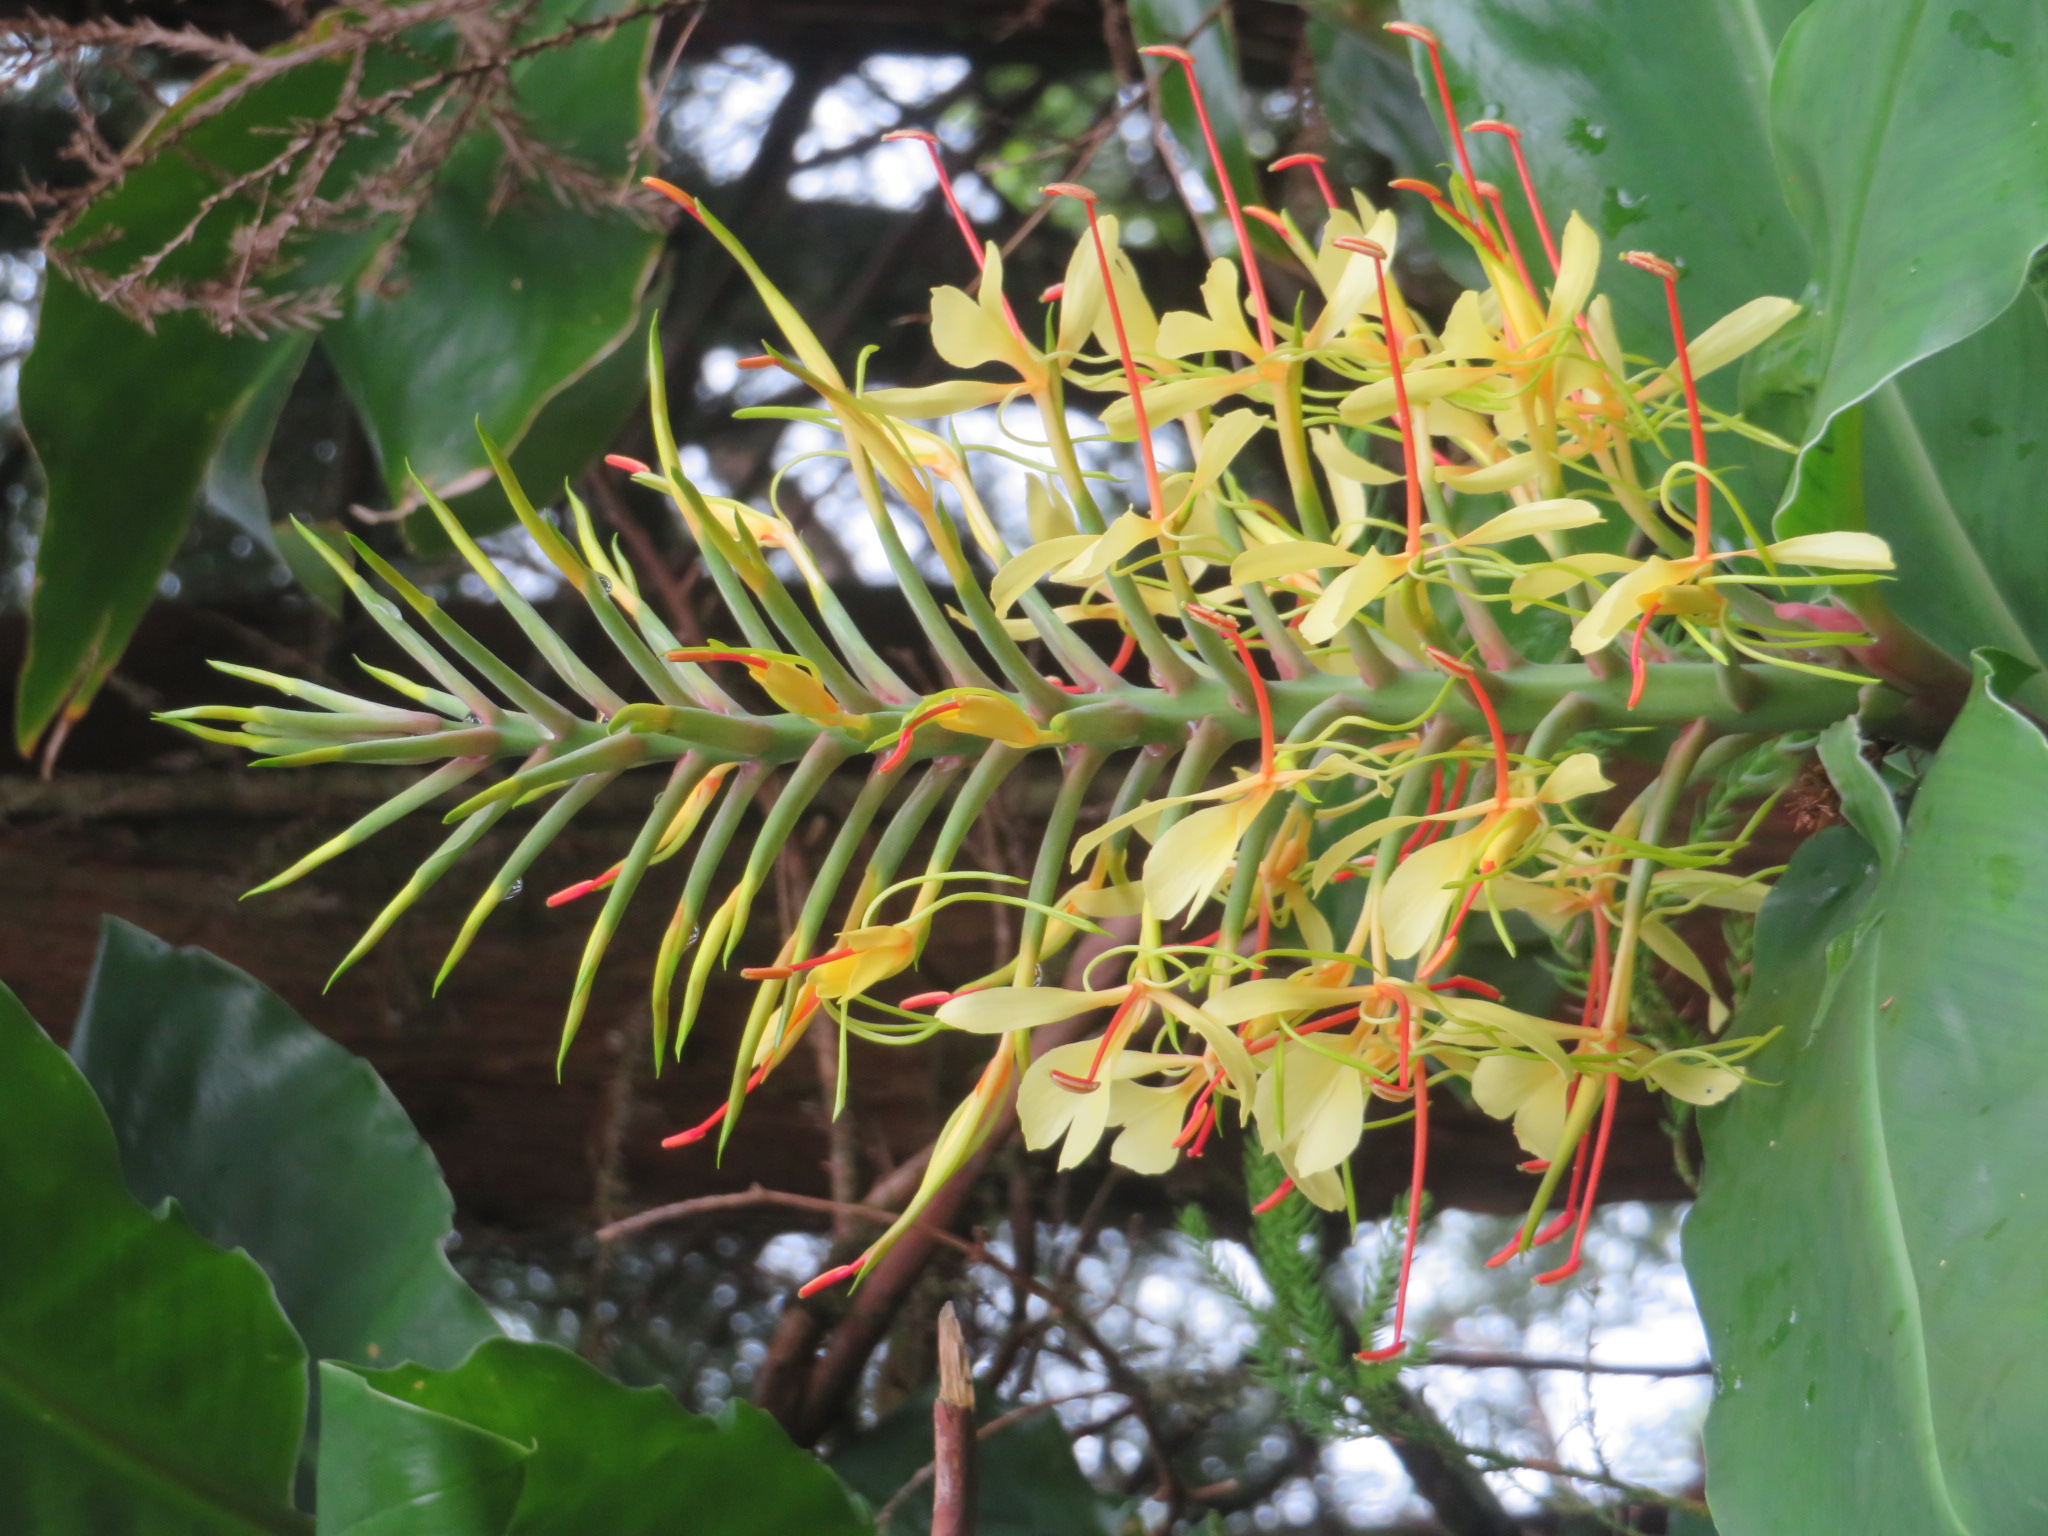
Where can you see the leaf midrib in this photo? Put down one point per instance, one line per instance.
(96, 1441)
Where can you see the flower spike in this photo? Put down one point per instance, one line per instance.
(1230, 998)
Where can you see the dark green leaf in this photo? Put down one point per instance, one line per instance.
(1952, 462)
(498, 303)
(1867, 802)
(1867, 1246)
(276, 1140)
(124, 423)
(572, 428)
(234, 480)
(390, 1469)
(626, 1460)
(1912, 146)
(1026, 1482)
(149, 1386)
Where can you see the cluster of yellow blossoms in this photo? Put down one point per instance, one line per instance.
(1276, 950)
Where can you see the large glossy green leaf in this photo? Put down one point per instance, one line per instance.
(1953, 455)
(1868, 1245)
(1913, 138)
(149, 1386)
(628, 1460)
(276, 1140)
(1025, 1479)
(498, 304)
(388, 1468)
(1650, 120)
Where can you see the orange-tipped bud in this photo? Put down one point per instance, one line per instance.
(1649, 262)
(832, 1277)
(753, 364)
(1270, 219)
(631, 466)
(674, 194)
(1417, 185)
(1067, 189)
(1053, 294)
(1315, 164)
(1361, 245)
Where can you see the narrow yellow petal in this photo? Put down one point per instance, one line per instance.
(1536, 517)
(1839, 551)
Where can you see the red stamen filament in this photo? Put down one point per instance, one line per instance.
(712, 653)
(783, 972)
(1638, 669)
(1469, 984)
(1253, 280)
(1459, 780)
(1202, 1138)
(1513, 135)
(1436, 803)
(710, 1122)
(1702, 526)
(1556, 1229)
(1449, 947)
(1427, 38)
(1415, 1184)
(1448, 209)
(960, 219)
(1401, 412)
(1470, 679)
(1315, 166)
(1488, 191)
(1224, 627)
(1313, 1027)
(1153, 488)
(1088, 1084)
(1570, 1266)
(901, 750)
(1124, 653)
(1286, 1188)
(1197, 1112)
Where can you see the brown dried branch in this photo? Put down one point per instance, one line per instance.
(284, 199)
